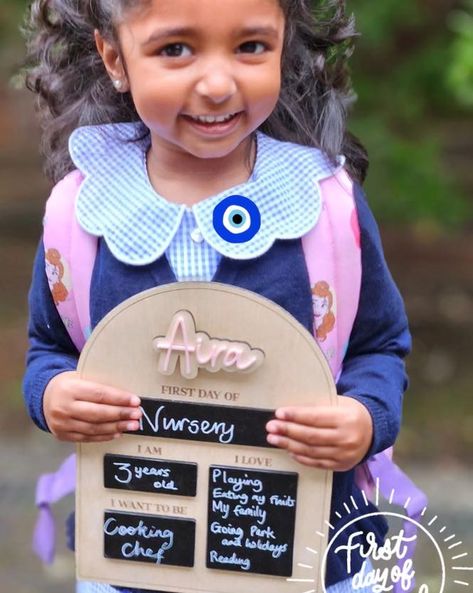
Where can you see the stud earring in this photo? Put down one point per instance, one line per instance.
(118, 84)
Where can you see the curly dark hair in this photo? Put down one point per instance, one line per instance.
(65, 70)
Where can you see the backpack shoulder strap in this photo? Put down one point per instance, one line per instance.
(69, 258)
(332, 251)
(333, 257)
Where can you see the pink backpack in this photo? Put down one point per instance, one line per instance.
(335, 278)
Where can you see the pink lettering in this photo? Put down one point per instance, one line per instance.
(194, 350)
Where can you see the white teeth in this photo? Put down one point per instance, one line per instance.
(212, 119)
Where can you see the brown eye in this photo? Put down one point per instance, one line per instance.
(175, 50)
(252, 47)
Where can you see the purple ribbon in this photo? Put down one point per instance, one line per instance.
(49, 489)
(396, 487)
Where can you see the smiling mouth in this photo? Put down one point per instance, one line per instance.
(212, 120)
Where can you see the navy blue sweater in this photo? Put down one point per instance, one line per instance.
(373, 370)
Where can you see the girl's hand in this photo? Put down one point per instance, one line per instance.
(327, 437)
(83, 411)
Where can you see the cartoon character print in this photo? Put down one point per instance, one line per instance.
(324, 317)
(55, 274)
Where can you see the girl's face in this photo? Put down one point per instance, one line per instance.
(203, 74)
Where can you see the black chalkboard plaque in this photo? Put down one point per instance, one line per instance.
(226, 425)
(148, 538)
(251, 517)
(143, 474)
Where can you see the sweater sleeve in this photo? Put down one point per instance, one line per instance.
(50, 350)
(373, 368)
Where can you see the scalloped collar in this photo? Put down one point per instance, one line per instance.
(117, 202)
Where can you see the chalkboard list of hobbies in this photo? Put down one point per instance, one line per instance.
(251, 520)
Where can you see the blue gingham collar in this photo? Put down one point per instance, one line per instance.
(117, 202)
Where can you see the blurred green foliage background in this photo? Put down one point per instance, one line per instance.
(413, 72)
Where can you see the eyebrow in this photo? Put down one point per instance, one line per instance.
(189, 32)
(263, 31)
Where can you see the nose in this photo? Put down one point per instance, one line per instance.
(217, 83)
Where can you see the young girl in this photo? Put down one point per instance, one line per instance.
(218, 97)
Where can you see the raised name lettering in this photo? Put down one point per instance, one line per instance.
(194, 350)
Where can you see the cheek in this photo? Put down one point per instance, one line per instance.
(155, 104)
(156, 94)
(263, 91)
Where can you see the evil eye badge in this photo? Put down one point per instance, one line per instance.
(236, 219)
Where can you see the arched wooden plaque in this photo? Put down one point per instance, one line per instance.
(196, 501)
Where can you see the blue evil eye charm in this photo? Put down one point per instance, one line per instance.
(237, 219)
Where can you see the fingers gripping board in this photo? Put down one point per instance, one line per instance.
(196, 500)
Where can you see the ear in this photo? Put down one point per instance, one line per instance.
(112, 62)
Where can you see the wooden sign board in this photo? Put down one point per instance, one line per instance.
(196, 500)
